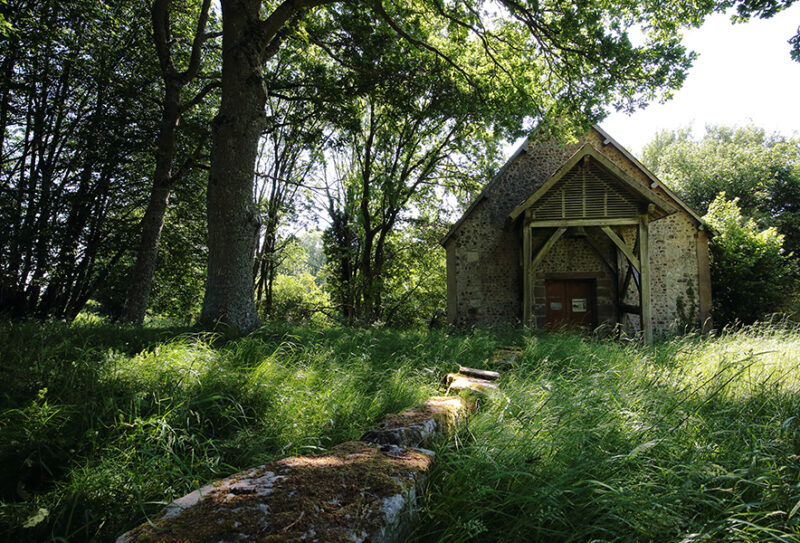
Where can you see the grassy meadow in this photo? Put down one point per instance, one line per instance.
(692, 439)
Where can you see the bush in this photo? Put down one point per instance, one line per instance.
(748, 268)
(298, 299)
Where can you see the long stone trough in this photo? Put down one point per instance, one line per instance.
(361, 491)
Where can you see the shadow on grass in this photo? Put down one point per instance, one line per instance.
(687, 440)
(102, 424)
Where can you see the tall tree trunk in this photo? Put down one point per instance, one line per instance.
(232, 216)
(141, 279)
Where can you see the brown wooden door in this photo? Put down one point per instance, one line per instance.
(570, 304)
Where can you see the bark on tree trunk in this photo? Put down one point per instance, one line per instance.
(141, 279)
(232, 216)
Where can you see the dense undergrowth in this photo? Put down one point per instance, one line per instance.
(101, 425)
(693, 439)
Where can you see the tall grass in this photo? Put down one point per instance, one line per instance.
(101, 425)
(692, 439)
(695, 439)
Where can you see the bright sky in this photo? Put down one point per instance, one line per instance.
(743, 74)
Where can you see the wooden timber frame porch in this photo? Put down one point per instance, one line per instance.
(591, 192)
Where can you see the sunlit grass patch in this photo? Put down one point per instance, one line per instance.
(100, 425)
(695, 438)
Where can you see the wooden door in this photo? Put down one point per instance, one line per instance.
(570, 304)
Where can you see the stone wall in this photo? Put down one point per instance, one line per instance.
(673, 258)
(577, 259)
(484, 262)
(360, 491)
(487, 257)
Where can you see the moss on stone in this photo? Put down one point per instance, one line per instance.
(332, 497)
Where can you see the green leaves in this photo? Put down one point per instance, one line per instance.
(748, 269)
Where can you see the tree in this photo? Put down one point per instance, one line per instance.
(173, 107)
(748, 271)
(761, 171)
(416, 276)
(556, 63)
(75, 122)
(393, 158)
(764, 9)
(288, 152)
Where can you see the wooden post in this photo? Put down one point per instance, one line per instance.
(644, 285)
(527, 287)
(534, 261)
(704, 280)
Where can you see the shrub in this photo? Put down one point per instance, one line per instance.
(748, 269)
(298, 298)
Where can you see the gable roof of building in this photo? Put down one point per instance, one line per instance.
(587, 150)
(655, 182)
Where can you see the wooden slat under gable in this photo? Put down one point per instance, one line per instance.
(586, 192)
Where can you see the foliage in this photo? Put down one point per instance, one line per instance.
(180, 270)
(74, 124)
(764, 9)
(185, 53)
(78, 114)
(416, 277)
(761, 170)
(298, 290)
(395, 155)
(288, 153)
(299, 299)
(695, 439)
(748, 269)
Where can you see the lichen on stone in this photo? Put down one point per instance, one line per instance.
(334, 497)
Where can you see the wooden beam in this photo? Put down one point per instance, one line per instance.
(704, 281)
(599, 251)
(644, 287)
(622, 247)
(527, 287)
(547, 246)
(552, 180)
(632, 185)
(566, 223)
(627, 308)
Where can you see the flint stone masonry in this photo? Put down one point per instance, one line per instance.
(484, 255)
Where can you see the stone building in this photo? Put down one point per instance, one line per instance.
(578, 235)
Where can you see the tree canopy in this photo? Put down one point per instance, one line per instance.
(415, 98)
(760, 170)
(554, 64)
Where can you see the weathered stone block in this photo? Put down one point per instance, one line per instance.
(358, 492)
(456, 381)
(420, 425)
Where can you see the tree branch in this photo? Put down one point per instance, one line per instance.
(200, 96)
(419, 43)
(197, 44)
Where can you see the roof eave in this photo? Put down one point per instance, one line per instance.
(656, 182)
(483, 194)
